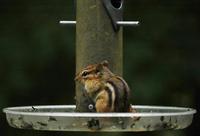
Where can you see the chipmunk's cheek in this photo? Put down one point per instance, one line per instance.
(82, 81)
(97, 84)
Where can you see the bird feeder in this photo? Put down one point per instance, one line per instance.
(99, 27)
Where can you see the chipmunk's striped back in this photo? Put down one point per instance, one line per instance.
(121, 91)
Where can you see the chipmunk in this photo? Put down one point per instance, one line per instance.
(109, 92)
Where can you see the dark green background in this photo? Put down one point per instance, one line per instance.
(161, 57)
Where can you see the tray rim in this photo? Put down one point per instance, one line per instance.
(183, 111)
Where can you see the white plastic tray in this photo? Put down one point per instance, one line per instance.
(63, 118)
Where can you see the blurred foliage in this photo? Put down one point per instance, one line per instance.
(37, 57)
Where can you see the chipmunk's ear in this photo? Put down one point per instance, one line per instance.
(101, 65)
(105, 63)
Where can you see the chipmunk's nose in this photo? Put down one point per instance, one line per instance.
(76, 78)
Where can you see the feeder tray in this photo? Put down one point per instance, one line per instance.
(63, 118)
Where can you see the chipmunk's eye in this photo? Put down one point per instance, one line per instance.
(84, 74)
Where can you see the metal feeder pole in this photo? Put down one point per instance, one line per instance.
(96, 40)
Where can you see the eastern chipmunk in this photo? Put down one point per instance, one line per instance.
(109, 92)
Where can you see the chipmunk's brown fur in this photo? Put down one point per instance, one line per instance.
(109, 92)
